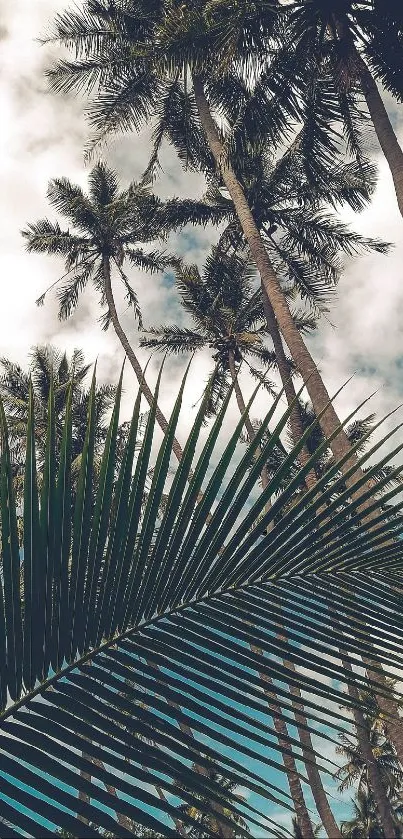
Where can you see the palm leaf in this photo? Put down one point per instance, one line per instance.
(138, 668)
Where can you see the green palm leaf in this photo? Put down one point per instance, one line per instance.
(125, 645)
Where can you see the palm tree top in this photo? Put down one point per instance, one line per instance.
(329, 27)
(106, 224)
(50, 367)
(296, 218)
(225, 306)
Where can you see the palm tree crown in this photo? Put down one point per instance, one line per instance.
(228, 316)
(107, 224)
(299, 229)
(345, 46)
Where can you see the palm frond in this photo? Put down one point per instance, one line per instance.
(172, 339)
(127, 626)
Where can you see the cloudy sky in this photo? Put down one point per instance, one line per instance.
(42, 136)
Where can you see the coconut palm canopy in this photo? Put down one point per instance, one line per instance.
(107, 223)
(227, 313)
(123, 624)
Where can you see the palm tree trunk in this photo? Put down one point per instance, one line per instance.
(280, 726)
(315, 781)
(178, 825)
(289, 390)
(378, 113)
(83, 796)
(294, 783)
(224, 831)
(242, 408)
(395, 727)
(220, 829)
(383, 128)
(364, 743)
(317, 391)
(162, 421)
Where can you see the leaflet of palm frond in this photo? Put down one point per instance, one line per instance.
(351, 183)
(176, 120)
(194, 610)
(179, 212)
(267, 112)
(172, 339)
(241, 30)
(312, 284)
(321, 141)
(268, 385)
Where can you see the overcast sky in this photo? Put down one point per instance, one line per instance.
(43, 136)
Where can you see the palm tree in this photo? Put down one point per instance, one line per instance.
(304, 240)
(116, 601)
(108, 226)
(228, 319)
(355, 44)
(364, 824)
(48, 364)
(355, 771)
(165, 62)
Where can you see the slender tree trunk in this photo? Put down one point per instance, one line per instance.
(364, 744)
(123, 820)
(383, 128)
(395, 727)
(289, 390)
(83, 796)
(317, 391)
(242, 408)
(315, 781)
(162, 421)
(319, 794)
(178, 824)
(219, 829)
(378, 113)
(294, 783)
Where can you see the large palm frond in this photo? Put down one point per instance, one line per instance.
(125, 657)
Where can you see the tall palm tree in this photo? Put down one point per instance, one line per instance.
(108, 226)
(357, 44)
(355, 771)
(152, 60)
(305, 241)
